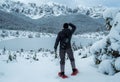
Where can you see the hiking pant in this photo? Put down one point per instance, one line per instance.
(62, 58)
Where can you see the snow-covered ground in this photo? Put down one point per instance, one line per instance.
(39, 64)
(46, 69)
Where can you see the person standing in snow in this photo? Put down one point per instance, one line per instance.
(64, 38)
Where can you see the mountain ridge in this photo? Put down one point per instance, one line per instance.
(50, 24)
(49, 9)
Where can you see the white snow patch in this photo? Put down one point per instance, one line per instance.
(106, 67)
(117, 64)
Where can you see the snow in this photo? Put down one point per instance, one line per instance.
(110, 12)
(106, 52)
(35, 11)
(1, 1)
(29, 56)
(46, 70)
(20, 72)
(95, 47)
(117, 64)
(115, 33)
(36, 66)
(43, 67)
(106, 67)
(26, 68)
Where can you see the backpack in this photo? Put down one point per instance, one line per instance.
(65, 42)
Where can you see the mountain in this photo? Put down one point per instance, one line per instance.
(83, 23)
(49, 9)
(49, 17)
(51, 24)
(15, 21)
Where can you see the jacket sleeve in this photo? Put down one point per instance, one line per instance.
(73, 27)
(57, 41)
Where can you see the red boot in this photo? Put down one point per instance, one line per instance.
(62, 75)
(75, 72)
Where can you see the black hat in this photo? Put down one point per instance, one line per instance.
(65, 25)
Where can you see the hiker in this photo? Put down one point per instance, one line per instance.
(64, 38)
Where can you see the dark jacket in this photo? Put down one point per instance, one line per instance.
(66, 32)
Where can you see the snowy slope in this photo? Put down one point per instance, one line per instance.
(31, 70)
(20, 65)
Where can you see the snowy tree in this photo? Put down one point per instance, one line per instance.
(10, 58)
(109, 47)
(37, 35)
(4, 51)
(106, 67)
(109, 15)
(4, 34)
(108, 25)
(74, 46)
(30, 36)
(35, 57)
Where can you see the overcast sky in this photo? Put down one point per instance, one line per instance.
(74, 3)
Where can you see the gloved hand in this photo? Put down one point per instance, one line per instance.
(56, 53)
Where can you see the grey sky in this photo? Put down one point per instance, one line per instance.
(74, 3)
